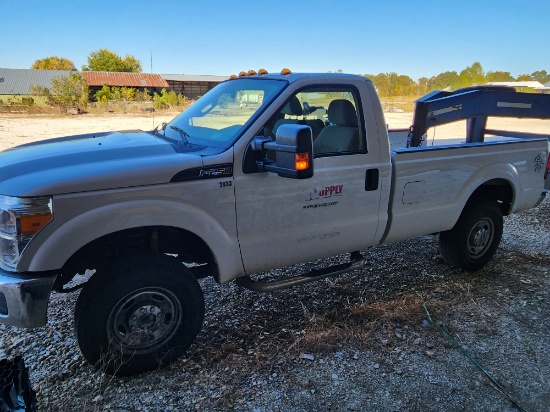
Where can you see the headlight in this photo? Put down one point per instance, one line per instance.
(20, 220)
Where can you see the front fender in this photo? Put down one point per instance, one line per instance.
(58, 241)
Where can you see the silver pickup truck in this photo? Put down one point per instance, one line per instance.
(261, 172)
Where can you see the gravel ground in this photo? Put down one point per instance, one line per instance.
(361, 341)
(357, 342)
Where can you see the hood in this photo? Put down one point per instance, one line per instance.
(92, 162)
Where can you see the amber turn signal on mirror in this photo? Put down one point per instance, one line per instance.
(302, 161)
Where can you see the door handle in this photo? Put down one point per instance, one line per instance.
(371, 180)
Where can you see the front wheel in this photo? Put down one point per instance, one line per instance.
(140, 313)
(474, 239)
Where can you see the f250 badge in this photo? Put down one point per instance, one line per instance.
(220, 171)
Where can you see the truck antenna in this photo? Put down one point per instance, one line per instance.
(151, 51)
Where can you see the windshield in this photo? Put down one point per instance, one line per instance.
(218, 117)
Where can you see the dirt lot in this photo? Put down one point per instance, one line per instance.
(361, 341)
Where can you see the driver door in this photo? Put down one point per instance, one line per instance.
(282, 221)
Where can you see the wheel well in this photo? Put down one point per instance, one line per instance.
(184, 245)
(499, 190)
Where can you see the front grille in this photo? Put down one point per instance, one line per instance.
(3, 305)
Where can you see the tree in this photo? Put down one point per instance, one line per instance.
(499, 77)
(109, 61)
(524, 78)
(423, 84)
(65, 91)
(53, 63)
(393, 84)
(443, 81)
(541, 76)
(381, 82)
(472, 75)
(402, 85)
(131, 64)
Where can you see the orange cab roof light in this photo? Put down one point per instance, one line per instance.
(262, 71)
(285, 71)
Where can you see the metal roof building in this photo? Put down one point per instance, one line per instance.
(545, 89)
(192, 86)
(531, 84)
(126, 79)
(19, 81)
(140, 81)
(194, 78)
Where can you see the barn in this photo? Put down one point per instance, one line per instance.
(18, 82)
(139, 81)
(192, 86)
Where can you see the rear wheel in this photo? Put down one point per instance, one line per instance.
(474, 239)
(138, 314)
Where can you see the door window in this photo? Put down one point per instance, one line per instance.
(332, 114)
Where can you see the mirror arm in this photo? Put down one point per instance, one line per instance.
(261, 144)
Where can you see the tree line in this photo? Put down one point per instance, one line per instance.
(393, 84)
(102, 60)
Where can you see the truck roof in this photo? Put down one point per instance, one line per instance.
(292, 77)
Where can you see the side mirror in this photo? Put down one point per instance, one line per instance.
(293, 147)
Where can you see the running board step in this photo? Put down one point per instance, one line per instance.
(313, 275)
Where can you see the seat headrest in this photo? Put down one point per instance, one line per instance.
(342, 112)
(293, 107)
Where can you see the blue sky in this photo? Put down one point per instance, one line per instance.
(412, 37)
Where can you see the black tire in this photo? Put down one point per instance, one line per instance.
(138, 314)
(474, 239)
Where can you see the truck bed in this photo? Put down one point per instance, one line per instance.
(430, 185)
(398, 138)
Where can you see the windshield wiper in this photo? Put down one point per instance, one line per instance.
(184, 135)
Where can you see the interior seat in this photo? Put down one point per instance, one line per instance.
(342, 135)
(292, 108)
